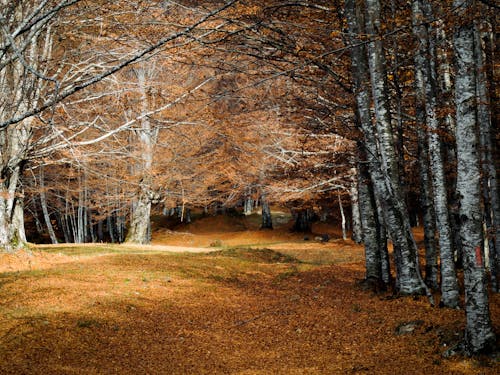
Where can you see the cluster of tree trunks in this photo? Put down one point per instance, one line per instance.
(381, 198)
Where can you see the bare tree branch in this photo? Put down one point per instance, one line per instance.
(136, 57)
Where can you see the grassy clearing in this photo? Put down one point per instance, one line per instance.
(292, 309)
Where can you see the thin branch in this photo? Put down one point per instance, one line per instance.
(70, 91)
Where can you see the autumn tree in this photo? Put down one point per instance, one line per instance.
(45, 59)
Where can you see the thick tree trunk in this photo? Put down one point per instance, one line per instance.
(13, 143)
(138, 231)
(140, 221)
(479, 334)
(21, 87)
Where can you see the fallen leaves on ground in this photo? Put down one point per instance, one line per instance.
(238, 311)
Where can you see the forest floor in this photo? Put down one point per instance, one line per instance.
(218, 297)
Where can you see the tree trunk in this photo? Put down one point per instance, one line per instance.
(303, 220)
(445, 100)
(140, 221)
(428, 216)
(43, 202)
(267, 222)
(374, 259)
(21, 90)
(111, 228)
(357, 226)
(138, 231)
(479, 336)
(382, 161)
(13, 143)
(490, 190)
(342, 215)
(427, 92)
(426, 200)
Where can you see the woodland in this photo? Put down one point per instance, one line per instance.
(379, 118)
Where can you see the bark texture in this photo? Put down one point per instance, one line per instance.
(140, 221)
(379, 143)
(426, 93)
(479, 336)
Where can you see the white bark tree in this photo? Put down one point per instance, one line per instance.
(379, 143)
(479, 335)
(38, 71)
(426, 86)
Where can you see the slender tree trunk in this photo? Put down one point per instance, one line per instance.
(428, 216)
(426, 200)
(491, 198)
(267, 222)
(342, 215)
(111, 228)
(445, 100)
(479, 336)
(43, 202)
(381, 151)
(248, 203)
(427, 92)
(357, 226)
(369, 145)
(100, 231)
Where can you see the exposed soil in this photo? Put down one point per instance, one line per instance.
(277, 305)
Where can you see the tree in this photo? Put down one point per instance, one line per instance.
(426, 86)
(479, 335)
(39, 70)
(369, 73)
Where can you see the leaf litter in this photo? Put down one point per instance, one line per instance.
(275, 310)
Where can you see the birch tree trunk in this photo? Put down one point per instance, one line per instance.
(371, 235)
(342, 215)
(371, 168)
(426, 79)
(479, 336)
(428, 216)
(445, 100)
(491, 197)
(384, 163)
(357, 226)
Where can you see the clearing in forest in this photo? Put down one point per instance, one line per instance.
(274, 305)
